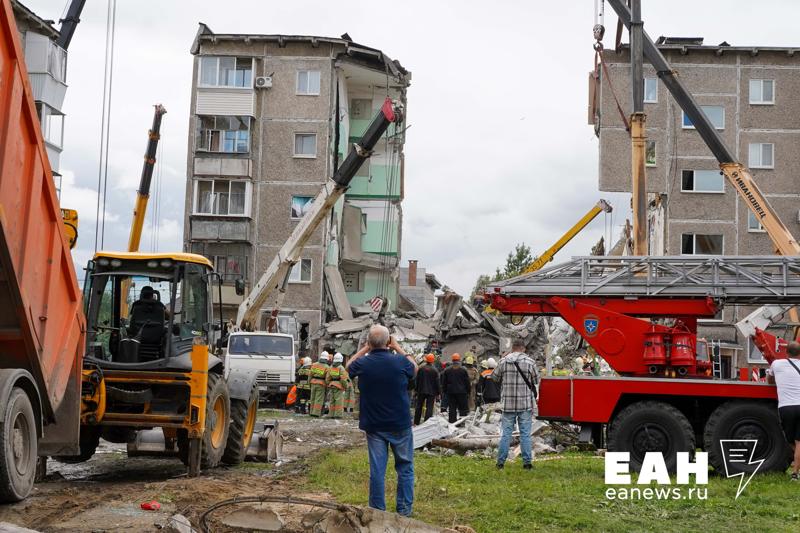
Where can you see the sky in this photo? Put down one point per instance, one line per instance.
(498, 149)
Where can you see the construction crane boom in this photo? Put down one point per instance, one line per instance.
(276, 276)
(69, 23)
(143, 193)
(601, 207)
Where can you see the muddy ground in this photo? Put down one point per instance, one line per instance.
(105, 493)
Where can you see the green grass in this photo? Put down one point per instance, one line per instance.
(558, 495)
(273, 413)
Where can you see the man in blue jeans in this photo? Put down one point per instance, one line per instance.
(518, 377)
(384, 371)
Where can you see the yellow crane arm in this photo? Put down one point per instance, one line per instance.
(547, 256)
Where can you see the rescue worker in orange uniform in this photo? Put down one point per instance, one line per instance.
(336, 380)
(318, 387)
(303, 386)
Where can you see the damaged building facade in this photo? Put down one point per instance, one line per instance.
(272, 116)
(748, 93)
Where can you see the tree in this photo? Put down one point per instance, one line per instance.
(516, 262)
(481, 284)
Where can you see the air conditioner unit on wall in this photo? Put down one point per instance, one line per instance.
(263, 82)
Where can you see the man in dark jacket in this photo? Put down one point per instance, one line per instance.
(427, 387)
(455, 384)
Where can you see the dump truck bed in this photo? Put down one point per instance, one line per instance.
(42, 324)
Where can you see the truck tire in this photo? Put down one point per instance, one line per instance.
(19, 446)
(89, 440)
(651, 426)
(747, 420)
(218, 417)
(243, 421)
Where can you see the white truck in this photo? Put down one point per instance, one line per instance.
(272, 356)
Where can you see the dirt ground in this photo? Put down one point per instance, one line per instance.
(105, 493)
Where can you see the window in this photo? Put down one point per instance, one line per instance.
(762, 155)
(715, 114)
(301, 272)
(651, 90)
(308, 82)
(753, 223)
(226, 71)
(762, 92)
(300, 206)
(698, 244)
(221, 197)
(305, 145)
(229, 259)
(223, 134)
(354, 281)
(754, 355)
(650, 154)
(52, 122)
(702, 181)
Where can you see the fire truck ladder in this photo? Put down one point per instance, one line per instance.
(758, 280)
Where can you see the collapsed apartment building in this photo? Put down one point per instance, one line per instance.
(272, 116)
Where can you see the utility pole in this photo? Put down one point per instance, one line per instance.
(638, 133)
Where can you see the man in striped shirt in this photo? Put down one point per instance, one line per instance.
(518, 377)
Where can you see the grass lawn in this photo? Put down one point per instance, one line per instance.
(558, 495)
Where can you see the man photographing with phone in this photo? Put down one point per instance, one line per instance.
(384, 371)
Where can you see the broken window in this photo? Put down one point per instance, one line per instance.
(650, 154)
(226, 71)
(221, 197)
(702, 181)
(308, 82)
(754, 223)
(762, 155)
(300, 206)
(305, 145)
(301, 272)
(229, 259)
(700, 244)
(354, 281)
(217, 133)
(715, 114)
(762, 92)
(651, 90)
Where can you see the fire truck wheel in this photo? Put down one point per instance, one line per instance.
(18, 444)
(650, 426)
(243, 422)
(747, 420)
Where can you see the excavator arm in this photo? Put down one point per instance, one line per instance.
(601, 207)
(276, 276)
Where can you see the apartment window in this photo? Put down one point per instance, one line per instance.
(354, 281)
(226, 71)
(715, 114)
(305, 145)
(52, 122)
(223, 134)
(650, 154)
(222, 197)
(762, 92)
(754, 223)
(301, 272)
(308, 82)
(762, 155)
(702, 181)
(754, 355)
(651, 90)
(229, 259)
(699, 244)
(300, 206)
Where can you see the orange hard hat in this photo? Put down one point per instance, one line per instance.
(429, 358)
(455, 357)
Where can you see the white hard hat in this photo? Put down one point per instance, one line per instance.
(492, 362)
(338, 358)
(557, 360)
(306, 360)
(325, 356)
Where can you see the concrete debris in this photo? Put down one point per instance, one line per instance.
(254, 518)
(435, 427)
(178, 523)
(6, 527)
(337, 292)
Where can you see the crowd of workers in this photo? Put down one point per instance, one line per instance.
(324, 387)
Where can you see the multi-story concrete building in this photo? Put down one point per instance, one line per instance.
(418, 288)
(272, 116)
(749, 94)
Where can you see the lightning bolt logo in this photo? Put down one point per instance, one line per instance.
(737, 454)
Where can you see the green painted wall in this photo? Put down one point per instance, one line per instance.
(371, 241)
(377, 184)
(371, 289)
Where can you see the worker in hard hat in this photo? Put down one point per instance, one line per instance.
(302, 376)
(336, 381)
(455, 384)
(427, 388)
(317, 383)
(474, 375)
(488, 389)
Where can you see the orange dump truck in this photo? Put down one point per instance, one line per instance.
(42, 325)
